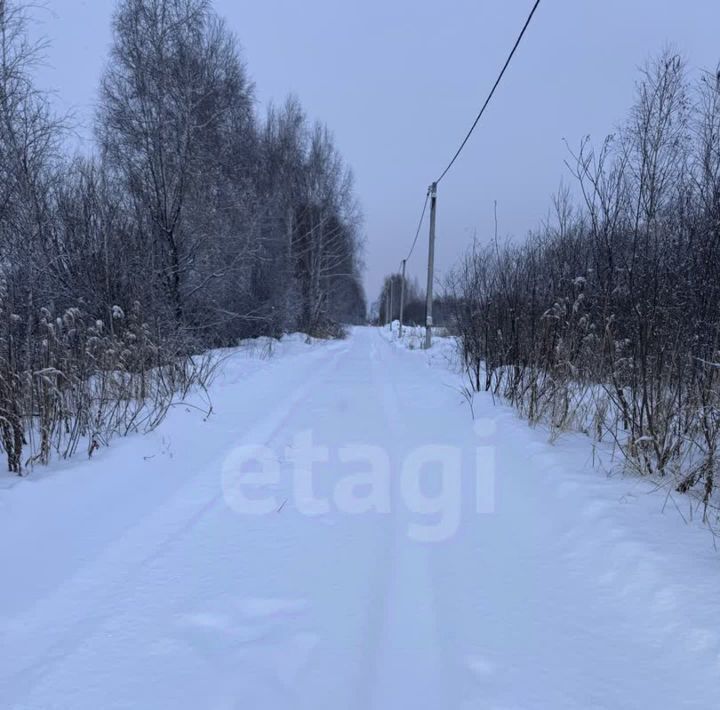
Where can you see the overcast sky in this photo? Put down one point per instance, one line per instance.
(400, 81)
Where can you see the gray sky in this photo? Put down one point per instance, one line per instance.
(400, 81)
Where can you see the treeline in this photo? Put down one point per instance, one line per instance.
(387, 306)
(193, 223)
(608, 320)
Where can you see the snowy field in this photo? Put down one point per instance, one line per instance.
(341, 534)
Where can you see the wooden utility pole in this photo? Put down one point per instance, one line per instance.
(431, 268)
(402, 297)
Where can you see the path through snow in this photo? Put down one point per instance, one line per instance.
(133, 581)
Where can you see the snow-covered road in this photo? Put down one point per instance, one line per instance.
(493, 570)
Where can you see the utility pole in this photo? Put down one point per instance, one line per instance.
(402, 296)
(431, 268)
(391, 301)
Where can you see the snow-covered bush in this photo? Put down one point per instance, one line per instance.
(608, 321)
(67, 381)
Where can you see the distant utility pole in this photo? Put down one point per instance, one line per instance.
(391, 301)
(402, 296)
(431, 268)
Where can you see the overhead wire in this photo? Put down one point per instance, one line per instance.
(473, 126)
(419, 227)
(492, 92)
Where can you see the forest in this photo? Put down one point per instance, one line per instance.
(191, 223)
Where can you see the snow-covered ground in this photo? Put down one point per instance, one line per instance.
(431, 561)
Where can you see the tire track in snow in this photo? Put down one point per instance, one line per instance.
(191, 503)
(406, 667)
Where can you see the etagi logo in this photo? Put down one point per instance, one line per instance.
(433, 482)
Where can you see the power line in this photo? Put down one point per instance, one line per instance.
(419, 227)
(432, 191)
(492, 91)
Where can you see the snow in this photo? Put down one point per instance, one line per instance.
(522, 578)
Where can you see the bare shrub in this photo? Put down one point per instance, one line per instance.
(608, 319)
